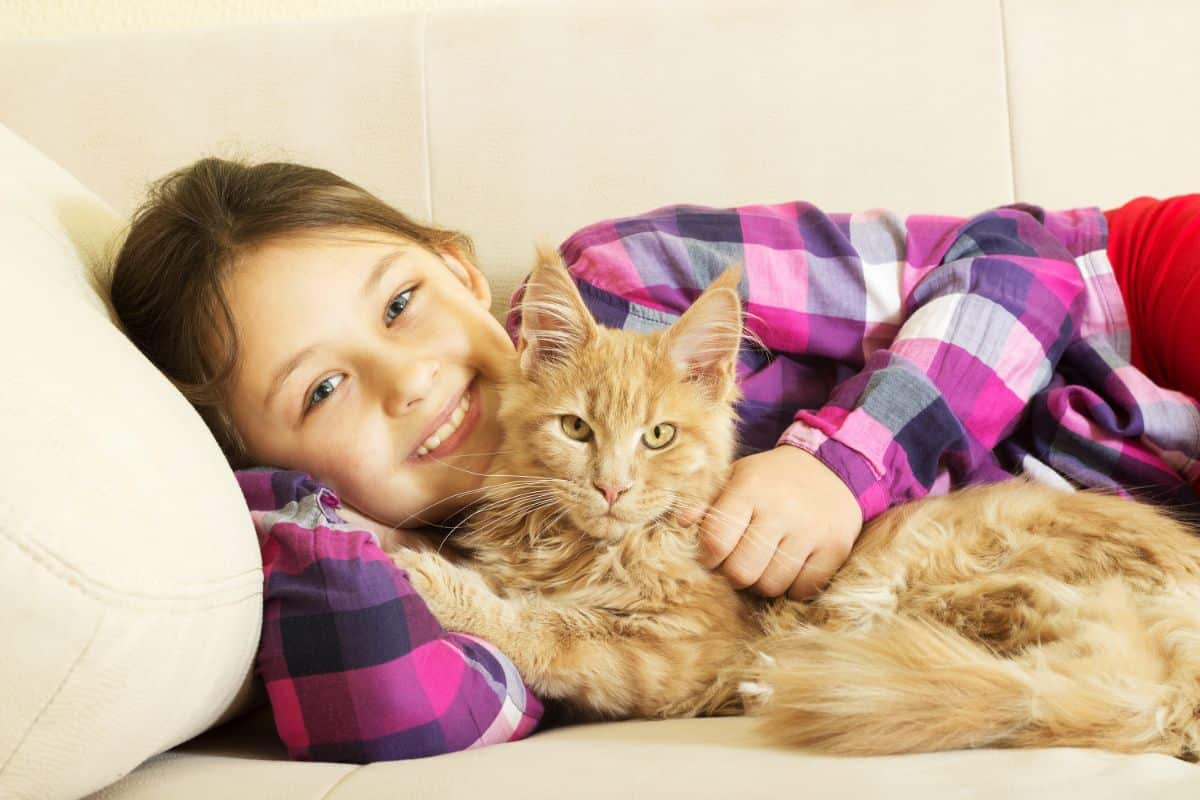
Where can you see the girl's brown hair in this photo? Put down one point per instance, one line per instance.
(191, 230)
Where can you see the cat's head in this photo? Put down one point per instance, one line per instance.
(631, 426)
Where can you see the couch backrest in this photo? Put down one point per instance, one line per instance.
(530, 119)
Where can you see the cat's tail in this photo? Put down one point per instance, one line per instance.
(915, 686)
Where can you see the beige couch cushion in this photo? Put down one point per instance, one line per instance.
(721, 759)
(130, 580)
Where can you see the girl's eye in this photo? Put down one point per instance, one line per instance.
(396, 307)
(575, 428)
(659, 436)
(318, 396)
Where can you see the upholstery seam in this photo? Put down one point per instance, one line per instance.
(1008, 104)
(57, 692)
(44, 554)
(424, 39)
(97, 591)
(340, 781)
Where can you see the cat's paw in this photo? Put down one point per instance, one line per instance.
(454, 594)
(757, 692)
(423, 567)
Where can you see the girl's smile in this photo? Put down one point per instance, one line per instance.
(451, 427)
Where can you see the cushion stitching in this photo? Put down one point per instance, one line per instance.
(96, 589)
(342, 779)
(53, 697)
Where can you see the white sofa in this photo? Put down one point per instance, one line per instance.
(130, 581)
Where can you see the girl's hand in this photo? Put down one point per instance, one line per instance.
(784, 522)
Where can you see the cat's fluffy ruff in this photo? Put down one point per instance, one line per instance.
(1002, 615)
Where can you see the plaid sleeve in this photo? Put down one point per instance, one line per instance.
(981, 334)
(356, 667)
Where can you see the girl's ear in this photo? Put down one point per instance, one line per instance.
(704, 341)
(468, 274)
(554, 321)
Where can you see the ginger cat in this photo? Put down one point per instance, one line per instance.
(1003, 615)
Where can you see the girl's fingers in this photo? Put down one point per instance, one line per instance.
(720, 531)
(750, 557)
(786, 564)
(817, 572)
(690, 515)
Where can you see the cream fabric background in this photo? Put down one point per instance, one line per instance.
(47, 19)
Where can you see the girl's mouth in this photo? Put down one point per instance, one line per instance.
(452, 428)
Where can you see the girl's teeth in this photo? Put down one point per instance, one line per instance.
(449, 427)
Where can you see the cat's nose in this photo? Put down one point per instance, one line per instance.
(611, 492)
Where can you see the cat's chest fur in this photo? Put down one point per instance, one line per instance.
(652, 581)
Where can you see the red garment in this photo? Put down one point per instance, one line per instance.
(1154, 247)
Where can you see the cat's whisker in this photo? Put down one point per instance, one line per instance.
(489, 495)
(539, 501)
(755, 540)
(416, 515)
(511, 500)
(490, 523)
(514, 506)
(501, 474)
(549, 524)
(490, 526)
(443, 459)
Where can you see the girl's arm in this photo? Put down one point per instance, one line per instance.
(356, 667)
(911, 345)
(981, 333)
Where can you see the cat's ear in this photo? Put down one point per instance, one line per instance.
(705, 340)
(554, 321)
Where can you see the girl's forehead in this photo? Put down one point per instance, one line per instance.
(326, 259)
(319, 245)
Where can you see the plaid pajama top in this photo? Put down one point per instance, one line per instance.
(913, 354)
(355, 665)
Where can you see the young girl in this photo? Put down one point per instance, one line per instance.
(324, 333)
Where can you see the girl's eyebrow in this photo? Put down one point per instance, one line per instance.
(378, 271)
(285, 371)
(369, 286)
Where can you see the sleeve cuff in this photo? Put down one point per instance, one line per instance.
(854, 467)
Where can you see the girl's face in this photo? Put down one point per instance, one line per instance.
(370, 363)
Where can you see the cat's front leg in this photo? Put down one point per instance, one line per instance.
(457, 596)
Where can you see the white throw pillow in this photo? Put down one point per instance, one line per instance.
(130, 577)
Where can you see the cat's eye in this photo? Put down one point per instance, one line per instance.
(659, 436)
(576, 428)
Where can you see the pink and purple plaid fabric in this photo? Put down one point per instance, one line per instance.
(913, 354)
(356, 667)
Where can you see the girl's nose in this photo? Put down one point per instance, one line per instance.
(407, 385)
(611, 491)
